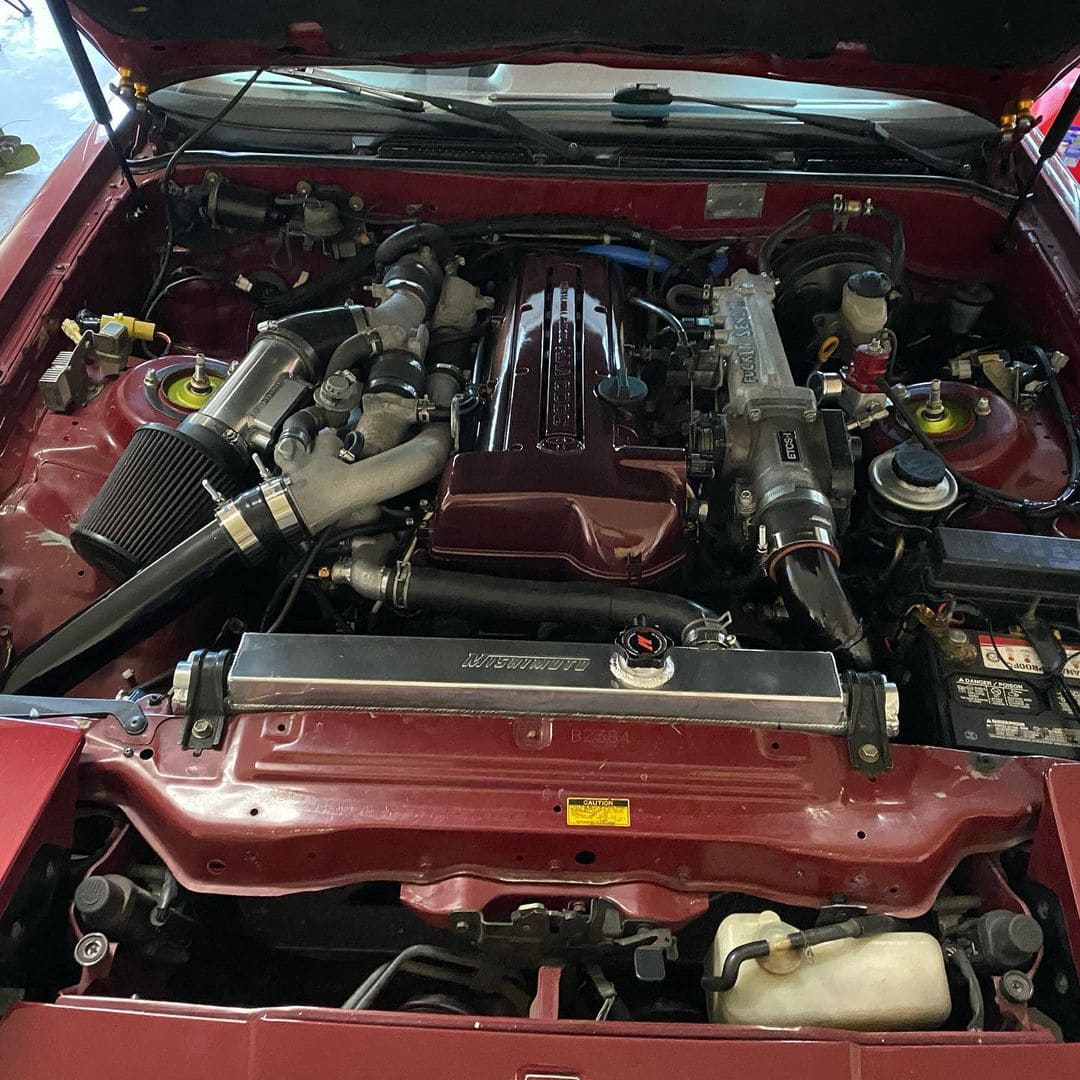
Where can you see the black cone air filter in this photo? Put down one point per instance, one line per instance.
(154, 497)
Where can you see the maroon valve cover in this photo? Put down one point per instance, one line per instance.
(560, 485)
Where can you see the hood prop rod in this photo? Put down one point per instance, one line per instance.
(84, 72)
(1052, 140)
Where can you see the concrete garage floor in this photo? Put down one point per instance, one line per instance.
(40, 100)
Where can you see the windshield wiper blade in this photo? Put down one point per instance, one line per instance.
(868, 130)
(410, 101)
(365, 91)
(498, 117)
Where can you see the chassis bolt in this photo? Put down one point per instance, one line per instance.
(90, 949)
(1016, 987)
(150, 380)
(753, 415)
(201, 729)
(869, 753)
(982, 407)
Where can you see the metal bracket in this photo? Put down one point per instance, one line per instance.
(27, 707)
(204, 690)
(65, 382)
(544, 934)
(868, 722)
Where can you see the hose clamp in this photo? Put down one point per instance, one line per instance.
(710, 632)
(275, 493)
(399, 596)
(781, 544)
(240, 532)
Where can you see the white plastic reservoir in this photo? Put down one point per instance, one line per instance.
(886, 982)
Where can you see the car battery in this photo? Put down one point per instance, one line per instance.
(1003, 702)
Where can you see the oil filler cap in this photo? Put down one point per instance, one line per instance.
(918, 466)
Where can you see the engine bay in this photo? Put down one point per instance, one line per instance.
(477, 612)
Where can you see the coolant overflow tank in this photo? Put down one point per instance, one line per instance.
(888, 982)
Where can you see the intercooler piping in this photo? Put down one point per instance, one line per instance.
(815, 598)
(410, 588)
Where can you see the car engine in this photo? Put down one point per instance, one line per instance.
(537, 471)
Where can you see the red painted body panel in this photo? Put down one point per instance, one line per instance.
(341, 797)
(1055, 852)
(159, 60)
(116, 1038)
(1023, 454)
(433, 799)
(37, 793)
(558, 482)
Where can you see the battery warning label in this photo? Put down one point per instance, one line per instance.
(1018, 731)
(609, 813)
(1014, 654)
(995, 693)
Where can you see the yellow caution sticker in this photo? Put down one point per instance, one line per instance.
(609, 813)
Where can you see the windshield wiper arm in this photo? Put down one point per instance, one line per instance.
(409, 101)
(869, 130)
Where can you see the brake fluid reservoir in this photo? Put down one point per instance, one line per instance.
(887, 982)
(864, 307)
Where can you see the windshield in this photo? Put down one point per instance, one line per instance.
(544, 113)
(581, 85)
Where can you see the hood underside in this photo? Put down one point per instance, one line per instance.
(979, 56)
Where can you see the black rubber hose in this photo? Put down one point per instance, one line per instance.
(352, 351)
(777, 237)
(412, 238)
(129, 612)
(584, 603)
(729, 973)
(961, 962)
(814, 597)
(364, 261)
(304, 425)
(857, 927)
(303, 296)
(323, 329)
